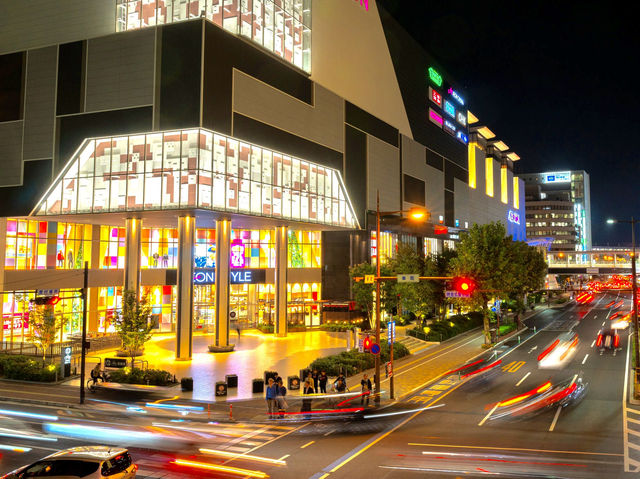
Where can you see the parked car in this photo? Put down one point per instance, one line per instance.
(86, 462)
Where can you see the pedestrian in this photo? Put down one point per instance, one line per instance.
(282, 392)
(340, 384)
(322, 382)
(238, 329)
(314, 376)
(271, 394)
(306, 403)
(366, 389)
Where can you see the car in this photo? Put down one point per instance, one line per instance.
(85, 462)
(608, 339)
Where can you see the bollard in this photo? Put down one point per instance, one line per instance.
(208, 411)
(534, 330)
(518, 339)
(230, 411)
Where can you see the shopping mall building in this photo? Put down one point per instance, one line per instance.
(223, 157)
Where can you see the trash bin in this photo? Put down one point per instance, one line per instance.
(186, 384)
(221, 388)
(294, 383)
(231, 380)
(494, 334)
(257, 386)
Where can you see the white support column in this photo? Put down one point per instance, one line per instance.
(280, 320)
(132, 255)
(52, 244)
(223, 246)
(184, 328)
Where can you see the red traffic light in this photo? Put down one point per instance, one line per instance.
(46, 300)
(464, 285)
(367, 343)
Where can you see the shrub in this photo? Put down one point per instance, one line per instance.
(153, 377)
(25, 368)
(337, 327)
(353, 362)
(266, 328)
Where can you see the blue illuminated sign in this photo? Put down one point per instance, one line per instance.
(455, 96)
(558, 177)
(236, 276)
(513, 217)
(449, 127)
(449, 109)
(462, 137)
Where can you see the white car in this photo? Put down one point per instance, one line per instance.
(87, 462)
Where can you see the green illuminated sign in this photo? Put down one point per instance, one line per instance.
(435, 76)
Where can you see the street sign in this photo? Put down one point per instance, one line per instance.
(593, 270)
(361, 345)
(369, 278)
(65, 362)
(408, 278)
(375, 348)
(47, 292)
(391, 331)
(455, 294)
(115, 362)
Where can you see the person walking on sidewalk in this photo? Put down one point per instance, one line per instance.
(322, 382)
(340, 384)
(314, 376)
(306, 403)
(281, 393)
(271, 394)
(366, 389)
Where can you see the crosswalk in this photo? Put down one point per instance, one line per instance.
(436, 389)
(234, 438)
(632, 439)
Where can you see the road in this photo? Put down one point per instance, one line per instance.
(457, 435)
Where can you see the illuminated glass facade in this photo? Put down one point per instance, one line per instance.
(196, 169)
(281, 26)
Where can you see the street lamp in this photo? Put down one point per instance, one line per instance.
(415, 214)
(634, 286)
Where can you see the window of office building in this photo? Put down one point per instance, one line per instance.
(281, 26)
(159, 248)
(387, 246)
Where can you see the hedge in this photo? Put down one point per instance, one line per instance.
(448, 328)
(353, 362)
(26, 368)
(153, 377)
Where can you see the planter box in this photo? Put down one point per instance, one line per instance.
(231, 380)
(221, 388)
(186, 384)
(257, 386)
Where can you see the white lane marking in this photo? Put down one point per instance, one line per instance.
(585, 359)
(603, 323)
(625, 430)
(284, 457)
(328, 432)
(489, 415)
(525, 377)
(555, 419)
(594, 342)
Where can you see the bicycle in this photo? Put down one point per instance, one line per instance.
(91, 384)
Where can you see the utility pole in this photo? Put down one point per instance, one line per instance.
(377, 373)
(84, 329)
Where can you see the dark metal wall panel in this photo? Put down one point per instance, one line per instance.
(355, 165)
(70, 91)
(366, 122)
(449, 207)
(11, 81)
(414, 190)
(179, 105)
(336, 258)
(435, 160)
(20, 200)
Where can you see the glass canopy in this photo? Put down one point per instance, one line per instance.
(196, 168)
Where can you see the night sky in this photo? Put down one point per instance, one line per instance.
(556, 81)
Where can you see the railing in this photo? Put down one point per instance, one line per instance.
(589, 259)
(28, 349)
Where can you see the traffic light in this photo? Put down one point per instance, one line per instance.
(367, 343)
(46, 300)
(464, 285)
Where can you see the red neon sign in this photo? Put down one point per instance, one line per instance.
(436, 97)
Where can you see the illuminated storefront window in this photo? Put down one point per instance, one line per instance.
(159, 248)
(281, 26)
(430, 246)
(305, 249)
(109, 301)
(205, 248)
(302, 307)
(162, 299)
(26, 244)
(112, 247)
(73, 246)
(196, 169)
(253, 249)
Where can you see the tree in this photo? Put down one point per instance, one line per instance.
(439, 265)
(363, 294)
(499, 266)
(133, 323)
(44, 327)
(413, 297)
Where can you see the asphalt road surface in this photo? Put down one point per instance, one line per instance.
(448, 428)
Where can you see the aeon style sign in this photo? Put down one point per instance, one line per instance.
(236, 276)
